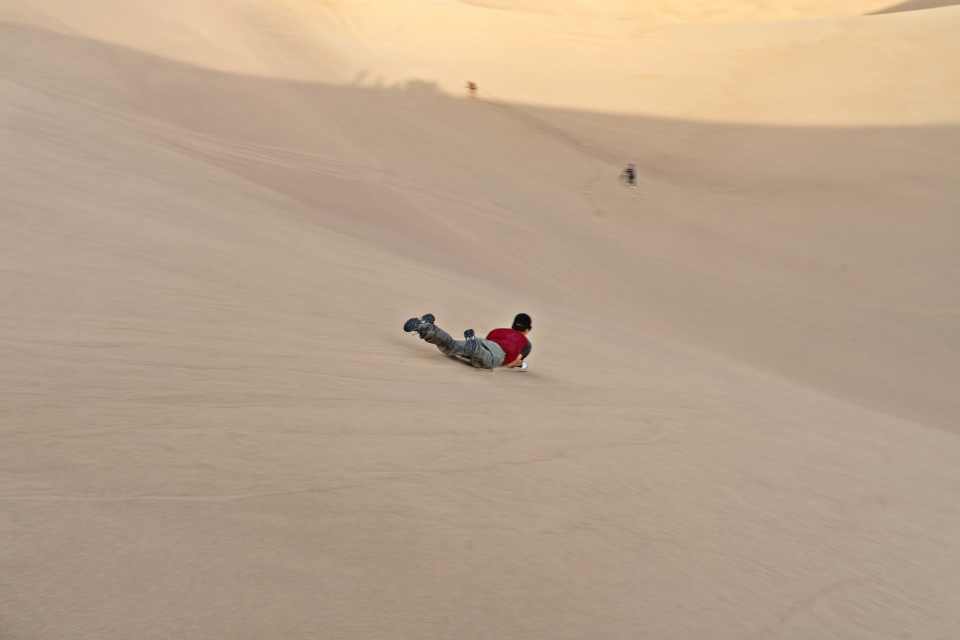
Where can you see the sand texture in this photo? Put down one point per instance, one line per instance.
(741, 419)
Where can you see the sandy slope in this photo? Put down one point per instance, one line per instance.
(741, 416)
(588, 59)
(917, 5)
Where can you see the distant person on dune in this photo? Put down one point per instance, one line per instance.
(472, 89)
(501, 348)
(630, 175)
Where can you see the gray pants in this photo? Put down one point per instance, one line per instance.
(487, 356)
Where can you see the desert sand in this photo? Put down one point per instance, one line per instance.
(741, 417)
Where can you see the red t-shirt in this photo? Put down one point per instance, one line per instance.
(511, 341)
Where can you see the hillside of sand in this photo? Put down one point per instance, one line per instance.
(740, 419)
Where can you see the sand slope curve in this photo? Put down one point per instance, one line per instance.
(740, 419)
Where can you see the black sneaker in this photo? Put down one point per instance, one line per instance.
(416, 324)
(472, 344)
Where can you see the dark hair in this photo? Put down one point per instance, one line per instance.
(522, 322)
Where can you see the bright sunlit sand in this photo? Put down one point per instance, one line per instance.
(741, 416)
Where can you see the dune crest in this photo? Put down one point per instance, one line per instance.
(916, 5)
(887, 70)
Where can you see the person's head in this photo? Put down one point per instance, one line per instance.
(522, 323)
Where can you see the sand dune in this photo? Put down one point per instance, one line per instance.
(768, 72)
(679, 11)
(917, 5)
(740, 419)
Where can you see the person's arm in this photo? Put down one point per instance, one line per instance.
(520, 358)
